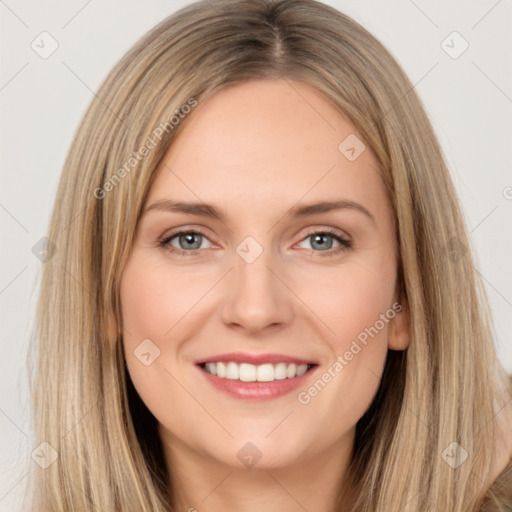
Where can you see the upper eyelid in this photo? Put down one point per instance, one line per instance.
(184, 231)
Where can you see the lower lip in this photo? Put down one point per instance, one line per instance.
(256, 390)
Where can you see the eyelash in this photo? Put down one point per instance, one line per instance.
(344, 243)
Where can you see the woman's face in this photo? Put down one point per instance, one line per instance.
(266, 285)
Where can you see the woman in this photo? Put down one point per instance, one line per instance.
(262, 295)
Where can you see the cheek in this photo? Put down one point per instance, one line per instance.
(154, 299)
(355, 304)
(153, 302)
(351, 299)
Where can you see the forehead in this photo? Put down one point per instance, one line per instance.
(271, 141)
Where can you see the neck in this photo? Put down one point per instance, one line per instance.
(203, 484)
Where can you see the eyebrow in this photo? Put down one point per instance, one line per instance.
(300, 211)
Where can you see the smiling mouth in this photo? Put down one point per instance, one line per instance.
(246, 372)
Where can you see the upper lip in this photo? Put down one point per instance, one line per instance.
(256, 359)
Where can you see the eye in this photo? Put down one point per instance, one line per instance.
(188, 242)
(322, 242)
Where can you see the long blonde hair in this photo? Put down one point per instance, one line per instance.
(439, 391)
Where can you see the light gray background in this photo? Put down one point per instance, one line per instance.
(469, 100)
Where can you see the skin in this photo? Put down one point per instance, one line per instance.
(256, 150)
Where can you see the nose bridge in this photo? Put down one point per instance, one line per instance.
(256, 298)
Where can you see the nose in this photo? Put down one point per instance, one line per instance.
(258, 298)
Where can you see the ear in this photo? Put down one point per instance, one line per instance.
(398, 333)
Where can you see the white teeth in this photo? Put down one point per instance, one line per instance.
(291, 371)
(280, 371)
(232, 371)
(261, 373)
(301, 369)
(265, 373)
(211, 368)
(221, 369)
(247, 372)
